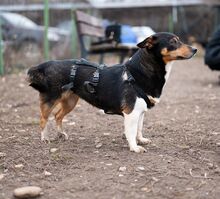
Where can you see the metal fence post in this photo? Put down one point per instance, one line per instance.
(1, 51)
(73, 35)
(46, 24)
(170, 23)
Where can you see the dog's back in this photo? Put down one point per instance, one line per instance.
(49, 77)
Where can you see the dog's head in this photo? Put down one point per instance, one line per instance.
(167, 46)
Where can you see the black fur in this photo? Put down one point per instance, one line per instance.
(112, 93)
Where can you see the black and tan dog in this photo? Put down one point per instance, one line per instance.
(128, 89)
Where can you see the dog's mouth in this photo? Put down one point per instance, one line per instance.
(184, 52)
(187, 56)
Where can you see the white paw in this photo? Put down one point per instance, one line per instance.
(63, 135)
(138, 149)
(45, 139)
(144, 141)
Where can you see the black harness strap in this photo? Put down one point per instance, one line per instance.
(89, 85)
(72, 77)
(139, 90)
(130, 77)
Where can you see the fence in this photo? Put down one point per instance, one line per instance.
(45, 31)
(37, 32)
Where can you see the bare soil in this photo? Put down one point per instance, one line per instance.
(183, 160)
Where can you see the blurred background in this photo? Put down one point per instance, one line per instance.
(33, 31)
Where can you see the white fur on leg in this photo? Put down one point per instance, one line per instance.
(61, 133)
(140, 138)
(131, 125)
(44, 135)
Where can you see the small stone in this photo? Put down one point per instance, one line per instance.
(145, 189)
(122, 169)
(155, 179)
(2, 176)
(19, 166)
(21, 85)
(189, 189)
(141, 168)
(21, 130)
(210, 85)
(97, 140)
(210, 165)
(109, 164)
(106, 134)
(217, 170)
(215, 133)
(113, 140)
(27, 192)
(46, 173)
(218, 144)
(71, 123)
(82, 138)
(2, 154)
(120, 175)
(53, 150)
(184, 146)
(99, 145)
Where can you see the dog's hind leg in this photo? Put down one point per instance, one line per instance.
(140, 138)
(45, 110)
(68, 102)
(131, 125)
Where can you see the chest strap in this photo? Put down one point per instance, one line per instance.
(139, 90)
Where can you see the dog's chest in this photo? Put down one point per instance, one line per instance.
(156, 100)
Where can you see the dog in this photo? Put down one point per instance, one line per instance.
(128, 89)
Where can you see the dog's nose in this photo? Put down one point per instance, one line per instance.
(194, 50)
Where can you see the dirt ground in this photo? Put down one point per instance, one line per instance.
(183, 160)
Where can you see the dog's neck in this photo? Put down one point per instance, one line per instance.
(148, 71)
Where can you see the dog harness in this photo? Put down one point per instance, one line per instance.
(90, 86)
(150, 103)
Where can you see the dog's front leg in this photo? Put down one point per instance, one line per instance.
(140, 138)
(131, 125)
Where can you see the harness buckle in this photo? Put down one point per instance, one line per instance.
(95, 78)
(72, 77)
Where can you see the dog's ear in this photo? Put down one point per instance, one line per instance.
(147, 43)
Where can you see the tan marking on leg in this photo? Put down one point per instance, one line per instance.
(68, 102)
(45, 110)
(126, 109)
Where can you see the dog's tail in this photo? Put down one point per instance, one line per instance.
(37, 79)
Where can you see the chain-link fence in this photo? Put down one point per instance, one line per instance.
(34, 31)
